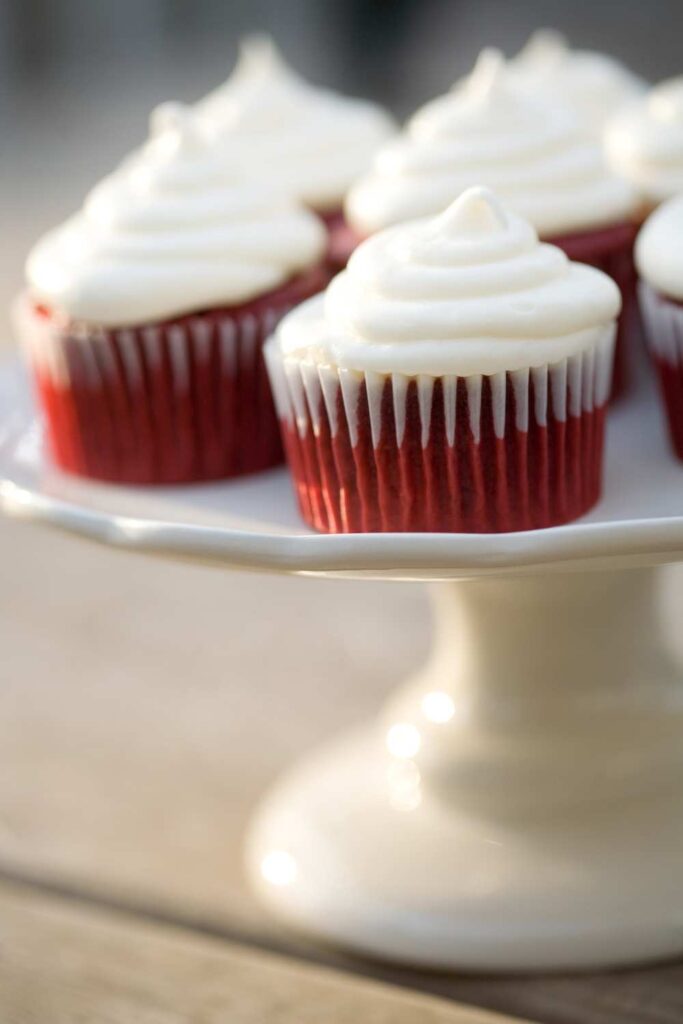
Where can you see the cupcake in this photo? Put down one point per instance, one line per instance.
(453, 378)
(314, 141)
(594, 85)
(659, 257)
(644, 143)
(145, 315)
(532, 152)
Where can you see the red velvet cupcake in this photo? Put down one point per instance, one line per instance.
(534, 153)
(146, 315)
(453, 379)
(316, 141)
(659, 255)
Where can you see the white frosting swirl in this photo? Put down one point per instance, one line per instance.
(659, 249)
(489, 130)
(594, 85)
(471, 291)
(318, 142)
(644, 143)
(176, 229)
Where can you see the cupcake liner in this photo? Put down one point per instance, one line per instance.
(479, 454)
(611, 250)
(663, 321)
(342, 239)
(176, 402)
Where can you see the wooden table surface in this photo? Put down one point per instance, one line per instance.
(144, 707)
(64, 963)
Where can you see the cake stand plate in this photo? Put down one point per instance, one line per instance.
(519, 804)
(253, 523)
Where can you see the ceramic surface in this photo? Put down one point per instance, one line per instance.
(519, 804)
(253, 523)
(517, 807)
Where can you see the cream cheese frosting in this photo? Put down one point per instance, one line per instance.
(659, 249)
(489, 130)
(316, 141)
(644, 143)
(471, 291)
(593, 84)
(176, 229)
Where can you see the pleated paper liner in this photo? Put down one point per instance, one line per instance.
(176, 402)
(663, 322)
(513, 451)
(610, 250)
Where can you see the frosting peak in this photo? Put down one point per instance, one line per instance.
(470, 291)
(261, 89)
(258, 59)
(487, 75)
(489, 129)
(476, 213)
(318, 140)
(593, 85)
(178, 228)
(546, 47)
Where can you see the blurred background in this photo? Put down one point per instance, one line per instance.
(79, 77)
(143, 705)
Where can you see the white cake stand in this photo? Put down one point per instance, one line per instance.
(519, 804)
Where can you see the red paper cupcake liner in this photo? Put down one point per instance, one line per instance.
(663, 322)
(611, 250)
(342, 239)
(164, 403)
(482, 454)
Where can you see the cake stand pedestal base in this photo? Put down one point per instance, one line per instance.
(518, 806)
